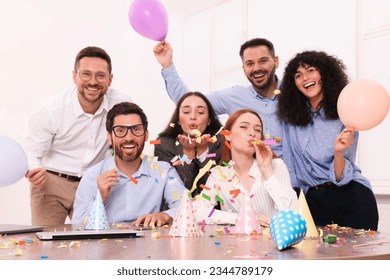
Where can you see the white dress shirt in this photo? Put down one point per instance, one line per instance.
(63, 138)
(268, 196)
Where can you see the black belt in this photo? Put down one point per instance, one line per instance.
(65, 176)
(323, 186)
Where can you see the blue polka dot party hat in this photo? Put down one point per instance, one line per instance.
(287, 229)
(97, 218)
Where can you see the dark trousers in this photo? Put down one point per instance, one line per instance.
(351, 205)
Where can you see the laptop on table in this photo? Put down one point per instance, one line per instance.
(90, 234)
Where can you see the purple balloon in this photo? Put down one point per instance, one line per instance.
(149, 18)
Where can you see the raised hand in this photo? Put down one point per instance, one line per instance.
(164, 54)
(106, 181)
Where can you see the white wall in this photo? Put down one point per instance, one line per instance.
(40, 38)
(39, 42)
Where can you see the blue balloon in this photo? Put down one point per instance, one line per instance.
(13, 161)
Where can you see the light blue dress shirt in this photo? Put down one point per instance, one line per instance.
(230, 100)
(309, 154)
(157, 182)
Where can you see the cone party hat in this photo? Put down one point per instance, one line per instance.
(97, 217)
(247, 222)
(303, 209)
(185, 224)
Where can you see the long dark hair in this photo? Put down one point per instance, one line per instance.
(293, 105)
(172, 131)
(226, 155)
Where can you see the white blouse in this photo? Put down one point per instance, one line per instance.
(268, 196)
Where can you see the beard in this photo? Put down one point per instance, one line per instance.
(129, 157)
(266, 84)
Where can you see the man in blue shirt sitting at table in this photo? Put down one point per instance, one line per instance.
(132, 187)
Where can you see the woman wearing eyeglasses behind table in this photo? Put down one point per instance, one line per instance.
(318, 149)
(180, 144)
(253, 170)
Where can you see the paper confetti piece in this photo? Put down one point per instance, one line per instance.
(205, 196)
(277, 91)
(204, 187)
(203, 225)
(155, 142)
(202, 171)
(211, 213)
(175, 196)
(212, 139)
(270, 141)
(171, 124)
(227, 231)
(184, 158)
(196, 132)
(217, 198)
(175, 159)
(278, 139)
(156, 235)
(211, 155)
(234, 193)
(225, 132)
(135, 181)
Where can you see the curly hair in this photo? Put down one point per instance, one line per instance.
(293, 105)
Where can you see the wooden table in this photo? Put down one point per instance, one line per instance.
(352, 244)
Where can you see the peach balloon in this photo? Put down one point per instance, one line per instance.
(363, 104)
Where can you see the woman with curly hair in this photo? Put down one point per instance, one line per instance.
(318, 149)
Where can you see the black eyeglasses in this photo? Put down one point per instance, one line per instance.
(120, 131)
(101, 77)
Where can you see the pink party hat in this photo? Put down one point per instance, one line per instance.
(185, 224)
(97, 218)
(247, 222)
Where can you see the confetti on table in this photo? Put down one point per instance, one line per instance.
(156, 235)
(217, 243)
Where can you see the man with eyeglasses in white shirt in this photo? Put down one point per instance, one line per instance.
(67, 136)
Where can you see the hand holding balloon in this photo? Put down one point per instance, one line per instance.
(163, 53)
